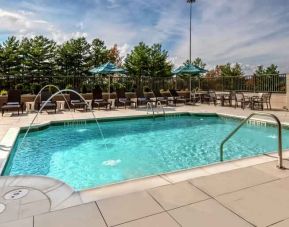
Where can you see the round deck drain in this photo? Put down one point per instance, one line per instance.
(16, 194)
(2, 207)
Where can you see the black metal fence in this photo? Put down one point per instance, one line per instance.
(262, 83)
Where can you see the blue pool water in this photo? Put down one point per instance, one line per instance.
(136, 148)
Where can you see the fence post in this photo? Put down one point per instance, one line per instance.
(287, 91)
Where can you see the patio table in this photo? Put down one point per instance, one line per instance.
(30, 106)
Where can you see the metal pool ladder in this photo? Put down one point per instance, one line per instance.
(158, 106)
(280, 158)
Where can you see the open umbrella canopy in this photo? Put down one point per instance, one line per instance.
(189, 69)
(107, 68)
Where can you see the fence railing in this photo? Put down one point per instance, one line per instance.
(260, 83)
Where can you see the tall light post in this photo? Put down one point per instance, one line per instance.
(191, 5)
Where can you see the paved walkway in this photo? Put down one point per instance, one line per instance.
(252, 196)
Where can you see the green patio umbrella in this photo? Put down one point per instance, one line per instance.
(107, 69)
(191, 70)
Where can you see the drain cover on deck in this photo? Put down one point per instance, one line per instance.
(2, 207)
(16, 194)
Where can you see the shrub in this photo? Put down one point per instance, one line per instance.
(35, 88)
(19, 87)
(3, 92)
(69, 86)
(146, 89)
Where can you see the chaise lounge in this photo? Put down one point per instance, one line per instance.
(44, 97)
(77, 102)
(98, 100)
(13, 102)
(122, 100)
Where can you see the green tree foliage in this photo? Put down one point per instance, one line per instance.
(231, 70)
(148, 61)
(270, 70)
(37, 56)
(98, 53)
(197, 62)
(10, 58)
(73, 57)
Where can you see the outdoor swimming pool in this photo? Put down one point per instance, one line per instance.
(78, 155)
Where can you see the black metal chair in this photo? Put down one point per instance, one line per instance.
(122, 100)
(142, 99)
(44, 97)
(13, 102)
(77, 102)
(177, 98)
(98, 100)
(160, 98)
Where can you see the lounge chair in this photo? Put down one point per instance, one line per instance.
(122, 100)
(13, 102)
(44, 96)
(177, 98)
(258, 102)
(142, 99)
(160, 98)
(77, 102)
(98, 100)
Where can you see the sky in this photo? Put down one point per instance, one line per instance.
(250, 32)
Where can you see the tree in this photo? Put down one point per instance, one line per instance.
(10, 59)
(73, 57)
(159, 66)
(148, 61)
(197, 62)
(38, 56)
(231, 70)
(270, 70)
(98, 53)
(137, 62)
(114, 56)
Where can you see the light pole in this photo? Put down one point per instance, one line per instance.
(191, 5)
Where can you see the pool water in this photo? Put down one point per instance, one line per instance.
(135, 148)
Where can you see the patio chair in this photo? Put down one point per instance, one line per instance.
(142, 99)
(211, 97)
(160, 98)
(242, 99)
(227, 99)
(13, 102)
(122, 100)
(44, 96)
(194, 98)
(98, 100)
(258, 102)
(77, 102)
(177, 98)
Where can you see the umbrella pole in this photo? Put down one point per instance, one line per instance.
(190, 87)
(109, 87)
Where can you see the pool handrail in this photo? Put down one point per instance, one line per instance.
(159, 105)
(150, 106)
(280, 154)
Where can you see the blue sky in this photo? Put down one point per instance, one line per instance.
(251, 32)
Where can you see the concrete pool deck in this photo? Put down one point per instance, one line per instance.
(247, 192)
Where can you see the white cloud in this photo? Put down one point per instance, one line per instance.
(237, 31)
(21, 24)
